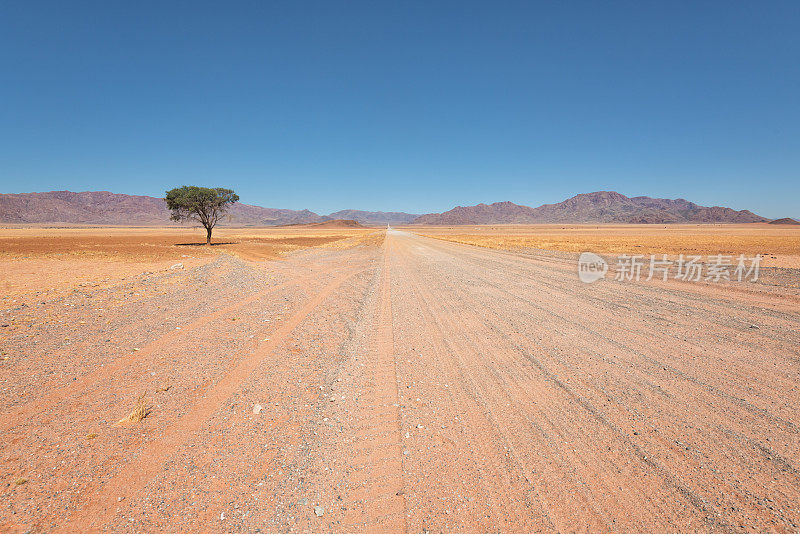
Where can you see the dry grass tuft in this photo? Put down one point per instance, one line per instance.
(139, 412)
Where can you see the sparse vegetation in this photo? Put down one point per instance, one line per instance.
(627, 239)
(200, 204)
(139, 412)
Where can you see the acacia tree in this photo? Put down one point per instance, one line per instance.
(205, 205)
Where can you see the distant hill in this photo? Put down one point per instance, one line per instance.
(598, 207)
(102, 207)
(247, 215)
(375, 217)
(497, 213)
(785, 220)
(333, 223)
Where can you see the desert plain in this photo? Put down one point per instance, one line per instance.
(416, 379)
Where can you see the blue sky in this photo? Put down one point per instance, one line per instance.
(406, 106)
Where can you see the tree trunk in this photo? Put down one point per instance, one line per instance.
(208, 236)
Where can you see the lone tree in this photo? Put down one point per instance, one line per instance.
(205, 205)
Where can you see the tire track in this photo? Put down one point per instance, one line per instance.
(764, 295)
(134, 476)
(57, 395)
(516, 481)
(380, 463)
(495, 387)
(634, 298)
(496, 322)
(635, 333)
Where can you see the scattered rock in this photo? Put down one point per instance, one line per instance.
(177, 266)
(302, 502)
(257, 408)
(319, 511)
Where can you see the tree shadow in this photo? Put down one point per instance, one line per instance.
(204, 244)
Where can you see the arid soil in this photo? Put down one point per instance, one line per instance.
(390, 382)
(779, 245)
(38, 261)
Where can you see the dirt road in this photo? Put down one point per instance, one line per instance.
(415, 385)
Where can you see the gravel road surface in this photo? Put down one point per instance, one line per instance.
(409, 386)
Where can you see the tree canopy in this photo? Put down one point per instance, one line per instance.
(205, 205)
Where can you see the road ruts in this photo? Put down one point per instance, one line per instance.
(618, 423)
(492, 489)
(56, 394)
(102, 501)
(378, 454)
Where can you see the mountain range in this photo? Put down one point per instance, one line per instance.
(598, 207)
(103, 207)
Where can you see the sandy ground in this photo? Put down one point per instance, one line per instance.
(42, 262)
(778, 244)
(406, 384)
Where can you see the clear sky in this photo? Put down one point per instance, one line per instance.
(405, 106)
